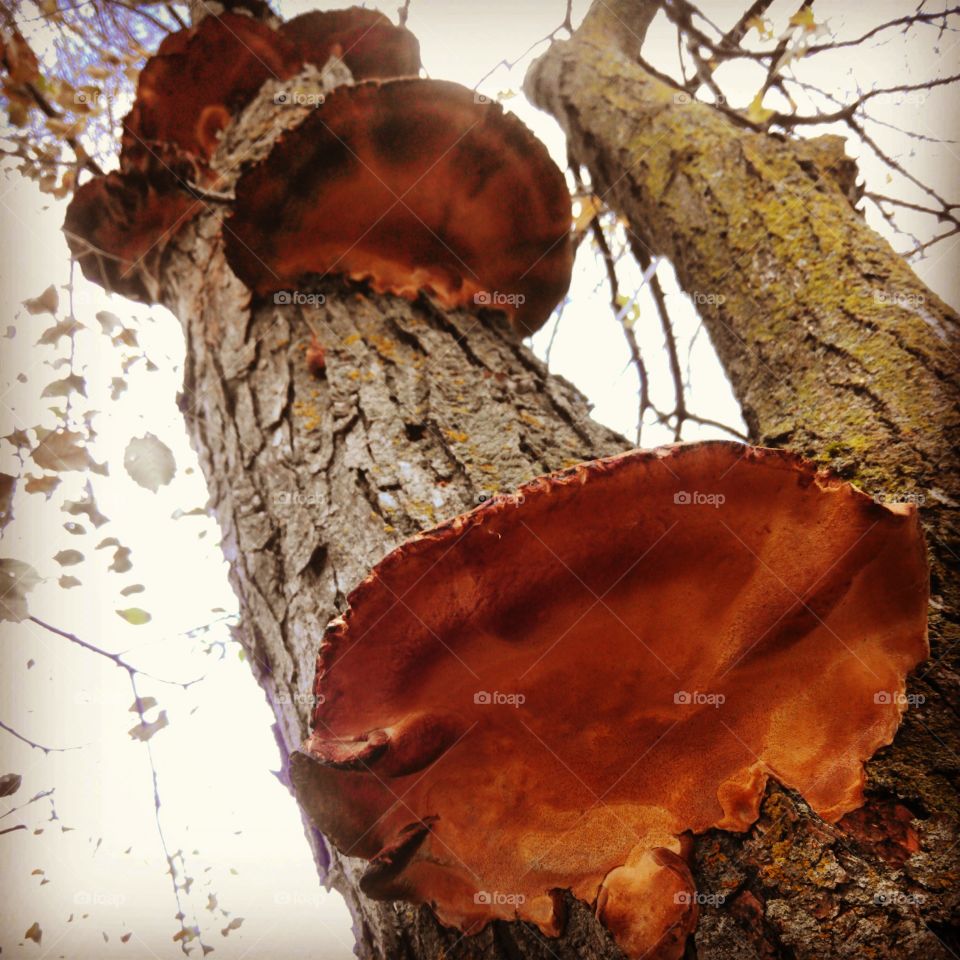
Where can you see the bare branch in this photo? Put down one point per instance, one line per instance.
(114, 658)
(33, 743)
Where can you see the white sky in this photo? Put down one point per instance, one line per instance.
(221, 805)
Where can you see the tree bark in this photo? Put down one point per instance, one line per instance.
(418, 415)
(836, 350)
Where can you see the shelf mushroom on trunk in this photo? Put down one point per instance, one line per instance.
(119, 225)
(414, 186)
(555, 690)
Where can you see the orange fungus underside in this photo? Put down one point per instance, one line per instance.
(369, 43)
(549, 692)
(198, 80)
(415, 186)
(119, 226)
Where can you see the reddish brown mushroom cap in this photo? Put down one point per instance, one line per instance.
(118, 226)
(195, 84)
(365, 40)
(548, 692)
(415, 186)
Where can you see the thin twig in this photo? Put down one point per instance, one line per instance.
(33, 743)
(114, 658)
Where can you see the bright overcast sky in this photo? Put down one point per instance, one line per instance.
(238, 828)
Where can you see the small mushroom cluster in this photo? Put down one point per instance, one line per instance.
(557, 690)
(412, 186)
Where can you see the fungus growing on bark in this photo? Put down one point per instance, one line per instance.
(202, 77)
(555, 690)
(197, 81)
(370, 44)
(415, 186)
(118, 227)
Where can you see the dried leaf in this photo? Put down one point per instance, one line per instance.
(20, 61)
(804, 18)
(65, 328)
(61, 450)
(18, 438)
(8, 485)
(149, 461)
(68, 558)
(132, 589)
(145, 704)
(34, 933)
(10, 784)
(17, 579)
(144, 731)
(234, 924)
(121, 561)
(86, 507)
(63, 388)
(757, 112)
(127, 338)
(47, 302)
(135, 616)
(108, 322)
(589, 208)
(67, 583)
(41, 484)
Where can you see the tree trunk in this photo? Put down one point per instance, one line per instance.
(837, 350)
(418, 415)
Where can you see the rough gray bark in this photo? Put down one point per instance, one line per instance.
(418, 415)
(836, 350)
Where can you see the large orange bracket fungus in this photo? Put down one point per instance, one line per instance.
(202, 77)
(557, 689)
(118, 226)
(199, 80)
(413, 185)
(365, 40)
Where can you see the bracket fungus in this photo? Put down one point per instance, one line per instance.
(369, 43)
(118, 227)
(197, 81)
(558, 689)
(413, 185)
